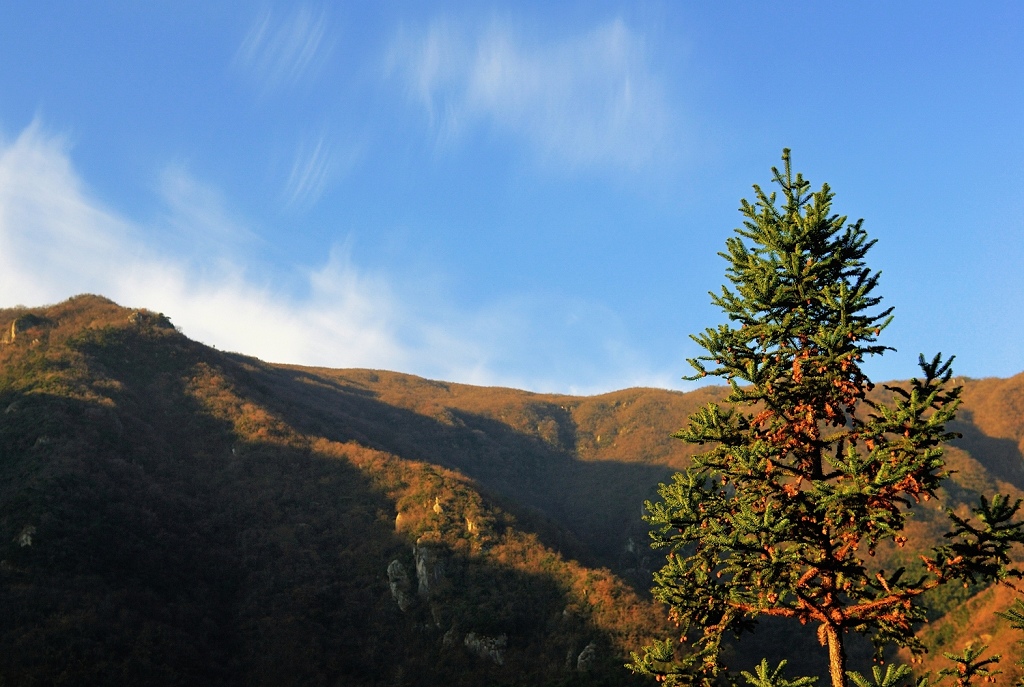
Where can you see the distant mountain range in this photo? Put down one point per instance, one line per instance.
(173, 514)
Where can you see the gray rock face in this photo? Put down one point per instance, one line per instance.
(429, 568)
(401, 586)
(585, 661)
(23, 324)
(25, 537)
(153, 319)
(491, 648)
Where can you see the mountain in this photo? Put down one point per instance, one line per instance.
(173, 514)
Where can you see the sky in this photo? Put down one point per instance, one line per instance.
(518, 194)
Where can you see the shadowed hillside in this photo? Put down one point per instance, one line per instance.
(586, 463)
(171, 514)
(165, 518)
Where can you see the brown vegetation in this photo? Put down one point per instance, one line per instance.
(200, 517)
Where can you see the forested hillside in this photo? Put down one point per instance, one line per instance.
(175, 515)
(172, 514)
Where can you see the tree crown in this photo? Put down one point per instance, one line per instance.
(805, 472)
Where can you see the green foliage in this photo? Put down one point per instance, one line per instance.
(806, 475)
(891, 677)
(970, 665)
(981, 552)
(763, 676)
(1015, 614)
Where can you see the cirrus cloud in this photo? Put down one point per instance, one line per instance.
(589, 100)
(280, 51)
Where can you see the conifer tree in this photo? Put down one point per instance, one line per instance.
(805, 475)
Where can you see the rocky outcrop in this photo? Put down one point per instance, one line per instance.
(491, 648)
(25, 537)
(152, 319)
(401, 586)
(23, 324)
(585, 661)
(429, 568)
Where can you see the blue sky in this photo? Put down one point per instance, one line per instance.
(522, 194)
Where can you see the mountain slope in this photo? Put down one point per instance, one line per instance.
(167, 518)
(172, 514)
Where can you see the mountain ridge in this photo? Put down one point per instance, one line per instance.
(252, 475)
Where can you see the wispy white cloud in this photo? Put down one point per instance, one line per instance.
(45, 220)
(310, 170)
(587, 100)
(197, 217)
(57, 240)
(278, 51)
(283, 50)
(316, 163)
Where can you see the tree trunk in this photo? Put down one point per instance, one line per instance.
(836, 656)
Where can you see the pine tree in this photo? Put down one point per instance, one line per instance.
(805, 475)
